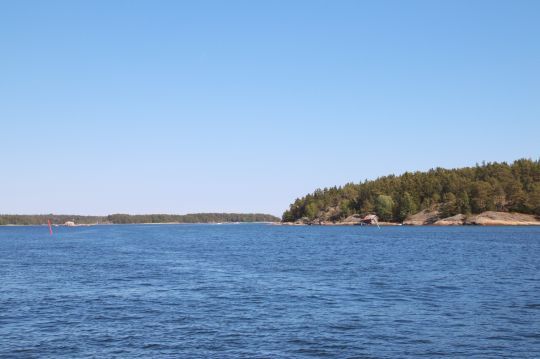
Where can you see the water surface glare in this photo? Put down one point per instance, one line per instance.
(262, 291)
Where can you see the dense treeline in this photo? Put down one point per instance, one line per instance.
(503, 187)
(191, 218)
(133, 219)
(22, 219)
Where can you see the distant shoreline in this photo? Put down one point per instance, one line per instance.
(135, 224)
(281, 224)
(78, 220)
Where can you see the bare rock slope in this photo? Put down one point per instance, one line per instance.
(491, 218)
(457, 220)
(425, 217)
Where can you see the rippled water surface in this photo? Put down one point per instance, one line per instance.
(260, 291)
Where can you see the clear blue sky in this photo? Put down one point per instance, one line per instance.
(176, 107)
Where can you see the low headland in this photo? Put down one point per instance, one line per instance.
(487, 194)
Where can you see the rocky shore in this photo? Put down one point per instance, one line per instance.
(433, 218)
(489, 218)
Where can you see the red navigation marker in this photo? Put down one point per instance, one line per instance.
(50, 228)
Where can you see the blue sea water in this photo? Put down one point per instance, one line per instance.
(262, 291)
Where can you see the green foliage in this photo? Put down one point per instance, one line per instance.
(463, 203)
(492, 186)
(384, 206)
(449, 206)
(405, 206)
(345, 208)
(311, 210)
(533, 201)
(367, 206)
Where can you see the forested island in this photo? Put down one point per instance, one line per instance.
(136, 219)
(488, 193)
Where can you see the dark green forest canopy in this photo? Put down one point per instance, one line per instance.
(495, 186)
(142, 218)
